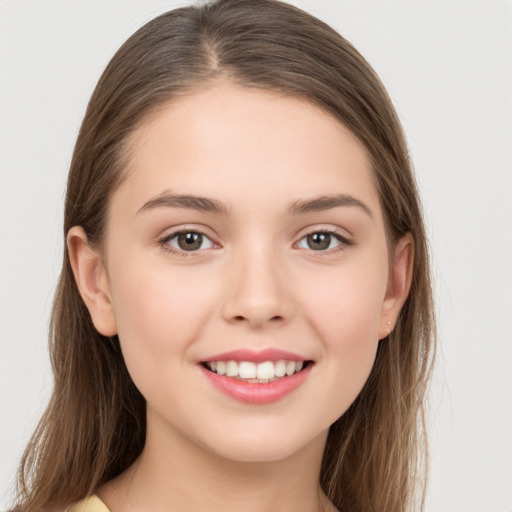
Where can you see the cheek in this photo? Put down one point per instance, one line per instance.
(347, 304)
(345, 312)
(159, 314)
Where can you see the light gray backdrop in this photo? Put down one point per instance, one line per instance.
(447, 65)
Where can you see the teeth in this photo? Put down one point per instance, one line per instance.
(231, 368)
(265, 370)
(247, 370)
(280, 368)
(268, 371)
(221, 368)
(290, 368)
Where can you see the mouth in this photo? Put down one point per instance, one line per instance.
(263, 372)
(257, 376)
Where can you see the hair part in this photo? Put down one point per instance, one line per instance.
(94, 426)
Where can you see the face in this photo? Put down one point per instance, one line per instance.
(246, 242)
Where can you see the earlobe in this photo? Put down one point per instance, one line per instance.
(399, 284)
(92, 281)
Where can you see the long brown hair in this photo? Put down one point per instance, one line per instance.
(94, 426)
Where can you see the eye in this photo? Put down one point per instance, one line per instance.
(187, 241)
(322, 241)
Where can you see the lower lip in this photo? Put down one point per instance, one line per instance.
(254, 393)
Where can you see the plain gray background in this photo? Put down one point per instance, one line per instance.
(448, 67)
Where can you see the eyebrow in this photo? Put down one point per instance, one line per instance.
(322, 203)
(208, 205)
(191, 202)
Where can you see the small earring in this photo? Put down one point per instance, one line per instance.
(389, 328)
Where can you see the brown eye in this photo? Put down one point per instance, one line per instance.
(189, 241)
(319, 241)
(322, 241)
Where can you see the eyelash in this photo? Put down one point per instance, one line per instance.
(164, 242)
(344, 242)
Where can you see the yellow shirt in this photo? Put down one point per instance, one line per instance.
(92, 504)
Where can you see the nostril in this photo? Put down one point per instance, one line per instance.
(240, 318)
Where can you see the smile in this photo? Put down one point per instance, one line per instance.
(258, 373)
(256, 377)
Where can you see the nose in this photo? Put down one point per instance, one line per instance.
(258, 294)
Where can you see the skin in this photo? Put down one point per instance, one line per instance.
(254, 283)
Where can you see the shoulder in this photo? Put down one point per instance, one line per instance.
(91, 504)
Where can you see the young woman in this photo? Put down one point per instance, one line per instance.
(244, 318)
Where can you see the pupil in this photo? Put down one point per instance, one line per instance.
(319, 241)
(190, 241)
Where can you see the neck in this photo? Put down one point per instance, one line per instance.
(174, 474)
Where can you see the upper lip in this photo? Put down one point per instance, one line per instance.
(256, 356)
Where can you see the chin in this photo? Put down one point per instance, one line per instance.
(268, 446)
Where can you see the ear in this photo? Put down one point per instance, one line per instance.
(92, 281)
(399, 284)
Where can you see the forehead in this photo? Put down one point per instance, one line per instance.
(244, 147)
